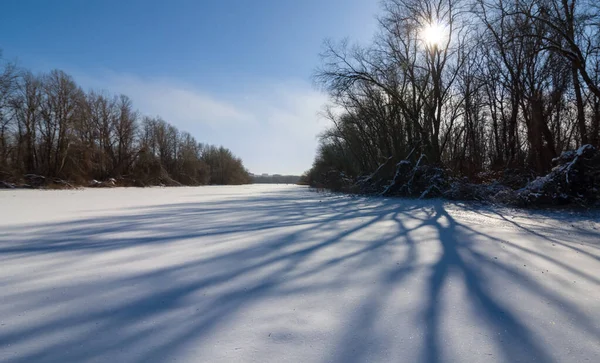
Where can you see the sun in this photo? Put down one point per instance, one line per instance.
(433, 34)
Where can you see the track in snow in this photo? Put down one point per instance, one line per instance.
(279, 273)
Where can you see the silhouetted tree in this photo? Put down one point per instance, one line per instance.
(504, 85)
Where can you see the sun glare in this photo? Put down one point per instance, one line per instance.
(433, 34)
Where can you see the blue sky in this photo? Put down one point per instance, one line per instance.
(231, 72)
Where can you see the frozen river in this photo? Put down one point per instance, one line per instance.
(283, 274)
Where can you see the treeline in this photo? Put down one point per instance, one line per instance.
(51, 128)
(275, 179)
(477, 87)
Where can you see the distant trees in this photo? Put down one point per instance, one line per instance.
(50, 127)
(224, 167)
(471, 85)
(276, 179)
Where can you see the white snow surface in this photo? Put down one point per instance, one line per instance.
(283, 274)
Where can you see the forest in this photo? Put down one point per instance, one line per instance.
(454, 94)
(53, 133)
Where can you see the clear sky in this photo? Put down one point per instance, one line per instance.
(231, 72)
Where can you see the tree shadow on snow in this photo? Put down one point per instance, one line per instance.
(149, 314)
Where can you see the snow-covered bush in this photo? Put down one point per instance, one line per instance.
(405, 179)
(462, 189)
(376, 182)
(574, 179)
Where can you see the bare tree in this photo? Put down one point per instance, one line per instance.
(472, 85)
(49, 127)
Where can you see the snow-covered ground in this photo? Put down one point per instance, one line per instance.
(282, 274)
